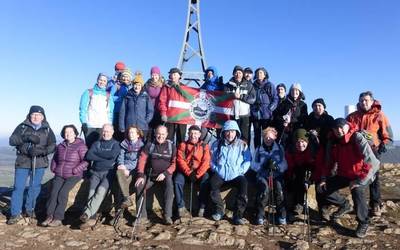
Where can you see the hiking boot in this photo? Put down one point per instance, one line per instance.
(361, 230)
(201, 212)
(143, 221)
(282, 221)
(238, 220)
(47, 221)
(126, 202)
(217, 216)
(168, 221)
(260, 220)
(14, 219)
(182, 212)
(346, 208)
(84, 218)
(376, 211)
(55, 223)
(298, 209)
(30, 214)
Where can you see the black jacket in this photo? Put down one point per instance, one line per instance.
(46, 146)
(103, 154)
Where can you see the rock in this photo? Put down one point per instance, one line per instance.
(391, 184)
(196, 230)
(397, 231)
(184, 236)
(74, 243)
(242, 230)
(156, 229)
(300, 245)
(212, 238)
(84, 247)
(181, 231)
(240, 243)
(354, 241)
(202, 221)
(256, 247)
(388, 231)
(326, 245)
(162, 247)
(224, 228)
(43, 238)
(338, 241)
(392, 205)
(324, 231)
(166, 235)
(223, 240)
(193, 241)
(29, 234)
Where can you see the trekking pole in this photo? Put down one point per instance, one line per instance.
(271, 184)
(306, 218)
(140, 208)
(116, 220)
(33, 185)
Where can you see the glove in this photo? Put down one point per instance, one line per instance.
(306, 184)
(382, 148)
(270, 165)
(192, 176)
(164, 118)
(35, 152)
(31, 138)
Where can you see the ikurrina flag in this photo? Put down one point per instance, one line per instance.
(197, 106)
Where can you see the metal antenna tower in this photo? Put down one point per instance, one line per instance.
(192, 61)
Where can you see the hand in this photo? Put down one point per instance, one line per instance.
(164, 118)
(285, 124)
(382, 148)
(126, 172)
(160, 177)
(192, 176)
(313, 132)
(31, 138)
(139, 181)
(35, 152)
(237, 95)
(321, 187)
(74, 171)
(121, 167)
(306, 185)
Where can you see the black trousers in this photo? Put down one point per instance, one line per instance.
(258, 126)
(264, 194)
(178, 129)
(59, 196)
(240, 182)
(330, 196)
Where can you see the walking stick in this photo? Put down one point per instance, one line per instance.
(33, 185)
(271, 199)
(306, 218)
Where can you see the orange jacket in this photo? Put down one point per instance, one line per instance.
(194, 154)
(373, 121)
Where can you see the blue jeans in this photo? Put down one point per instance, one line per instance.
(17, 197)
(180, 183)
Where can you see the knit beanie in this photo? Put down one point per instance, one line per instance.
(138, 78)
(296, 86)
(281, 85)
(248, 70)
(319, 100)
(265, 73)
(175, 70)
(195, 127)
(155, 70)
(236, 68)
(300, 133)
(36, 109)
(127, 72)
(119, 66)
(339, 122)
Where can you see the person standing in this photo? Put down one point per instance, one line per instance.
(230, 160)
(370, 118)
(67, 165)
(265, 104)
(319, 121)
(96, 109)
(34, 141)
(212, 82)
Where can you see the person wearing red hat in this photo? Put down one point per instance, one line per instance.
(114, 81)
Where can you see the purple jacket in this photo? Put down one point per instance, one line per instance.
(68, 160)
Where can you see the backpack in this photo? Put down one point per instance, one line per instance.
(152, 147)
(108, 94)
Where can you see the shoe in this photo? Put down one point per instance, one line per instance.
(182, 212)
(361, 230)
(282, 221)
(376, 211)
(30, 214)
(168, 221)
(47, 221)
(342, 211)
(298, 209)
(126, 202)
(55, 223)
(238, 220)
(260, 221)
(84, 218)
(201, 212)
(14, 219)
(217, 216)
(143, 221)
(323, 215)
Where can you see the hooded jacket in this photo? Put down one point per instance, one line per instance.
(68, 160)
(129, 153)
(213, 84)
(136, 109)
(373, 121)
(230, 160)
(262, 156)
(193, 157)
(247, 96)
(266, 100)
(46, 145)
(96, 110)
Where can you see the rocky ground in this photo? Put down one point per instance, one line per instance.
(200, 233)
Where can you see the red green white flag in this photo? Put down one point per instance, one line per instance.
(197, 106)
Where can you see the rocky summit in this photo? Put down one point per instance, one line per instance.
(202, 233)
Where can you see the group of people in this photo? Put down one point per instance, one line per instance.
(129, 141)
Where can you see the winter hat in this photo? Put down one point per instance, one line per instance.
(138, 78)
(248, 70)
(36, 109)
(319, 100)
(339, 122)
(119, 66)
(195, 127)
(281, 85)
(236, 68)
(155, 70)
(265, 73)
(296, 86)
(175, 70)
(300, 134)
(128, 72)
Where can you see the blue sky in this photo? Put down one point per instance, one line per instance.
(51, 51)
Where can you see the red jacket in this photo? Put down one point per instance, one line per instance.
(373, 120)
(167, 93)
(197, 154)
(306, 159)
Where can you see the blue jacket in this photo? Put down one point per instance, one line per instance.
(129, 154)
(230, 160)
(119, 96)
(266, 100)
(85, 101)
(262, 156)
(103, 154)
(213, 84)
(136, 110)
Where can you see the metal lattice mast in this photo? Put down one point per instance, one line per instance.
(192, 61)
